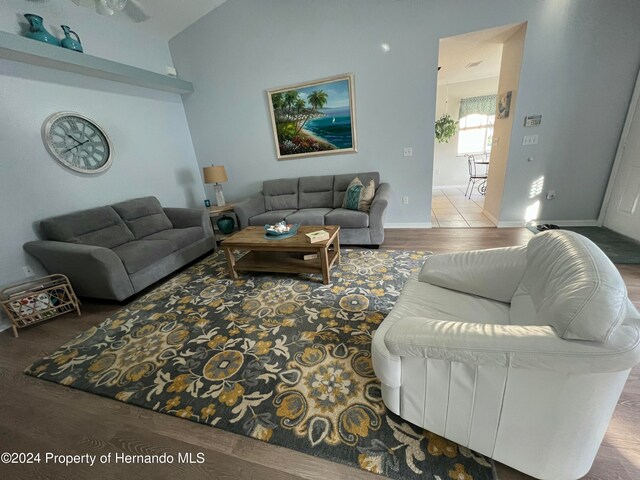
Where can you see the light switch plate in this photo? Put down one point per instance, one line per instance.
(530, 140)
(408, 152)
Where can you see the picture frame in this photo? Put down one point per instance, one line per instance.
(314, 118)
(504, 105)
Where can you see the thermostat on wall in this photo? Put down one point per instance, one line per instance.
(533, 120)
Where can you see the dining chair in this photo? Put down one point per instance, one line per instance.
(475, 176)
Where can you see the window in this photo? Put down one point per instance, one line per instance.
(476, 134)
(477, 116)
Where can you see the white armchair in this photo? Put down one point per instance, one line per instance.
(517, 353)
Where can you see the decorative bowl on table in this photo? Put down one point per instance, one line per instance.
(281, 228)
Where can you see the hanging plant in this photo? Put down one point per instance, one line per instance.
(445, 128)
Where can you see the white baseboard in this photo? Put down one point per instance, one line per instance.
(570, 223)
(506, 224)
(561, 223)
(567, 223)
(513, 224)
(408, 225)
(490, 217)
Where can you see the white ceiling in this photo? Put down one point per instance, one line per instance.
(167, 18)
(458, 51)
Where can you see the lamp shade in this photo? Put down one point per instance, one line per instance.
(214, 174)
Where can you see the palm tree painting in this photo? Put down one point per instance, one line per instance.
(314, 118)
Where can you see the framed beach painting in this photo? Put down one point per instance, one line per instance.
(314, 118)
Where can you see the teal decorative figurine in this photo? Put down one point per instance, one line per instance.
(37, 30)
(68, 41)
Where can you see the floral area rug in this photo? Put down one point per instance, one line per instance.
(282, 359)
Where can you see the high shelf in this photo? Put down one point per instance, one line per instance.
(26, 50)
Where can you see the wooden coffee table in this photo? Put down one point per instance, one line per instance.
(285, 255)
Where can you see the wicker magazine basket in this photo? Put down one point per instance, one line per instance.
(37, 300)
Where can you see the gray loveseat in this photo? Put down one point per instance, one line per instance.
(117, 250)
(318, 201)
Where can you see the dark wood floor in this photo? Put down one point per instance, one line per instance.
(37, 416)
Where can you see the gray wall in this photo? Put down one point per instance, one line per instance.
(153, 153)
(580, 61)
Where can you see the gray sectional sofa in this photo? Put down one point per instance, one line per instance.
(318, 201)
(117, 250)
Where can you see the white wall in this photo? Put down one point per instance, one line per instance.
(511, 65)
(449, 168)
(153, 153)
(580, 57)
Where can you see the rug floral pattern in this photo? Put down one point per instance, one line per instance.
(282, 359)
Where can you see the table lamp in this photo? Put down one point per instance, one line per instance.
(216, 174)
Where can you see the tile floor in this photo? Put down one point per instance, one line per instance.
(451, 209)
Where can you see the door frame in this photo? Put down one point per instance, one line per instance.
(631, 112)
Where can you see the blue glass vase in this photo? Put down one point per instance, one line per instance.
(38, 32)
(225, 224)
(69, 42)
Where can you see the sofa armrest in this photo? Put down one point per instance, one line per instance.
(377, 213)
(493, 273)
(93, 271)
(190, 217)
(248, 208)
(511, 346)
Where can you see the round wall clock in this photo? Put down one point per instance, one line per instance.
(77, 142)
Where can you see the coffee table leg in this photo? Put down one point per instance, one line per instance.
(231, 262)
(336, 246)
(324, 263)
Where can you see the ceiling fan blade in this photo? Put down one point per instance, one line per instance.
(134, 11)
(102, 8)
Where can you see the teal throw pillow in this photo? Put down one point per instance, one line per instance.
(352, 196)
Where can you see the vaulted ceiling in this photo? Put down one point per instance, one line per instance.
(167, 18)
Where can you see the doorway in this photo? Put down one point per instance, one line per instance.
(471, 78)
(621, 206)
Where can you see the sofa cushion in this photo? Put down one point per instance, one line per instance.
(570, 284)
(341, 182)
(430, 301)
(316, 192)
(139, 254)
(347, 218)
(271, 217)
(179, 237)
(280, 194)
(143, 216)
(421, 299)
(101, 227)
(308, 216)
